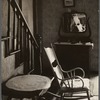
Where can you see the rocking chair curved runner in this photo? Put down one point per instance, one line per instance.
(72, 86)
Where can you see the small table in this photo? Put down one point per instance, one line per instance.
(26, 86)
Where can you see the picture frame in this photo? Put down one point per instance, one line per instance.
(69, 3)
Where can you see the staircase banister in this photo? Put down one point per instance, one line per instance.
(18, 12)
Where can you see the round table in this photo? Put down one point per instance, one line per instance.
(26, 86)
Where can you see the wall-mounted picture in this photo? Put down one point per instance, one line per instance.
(68, 3)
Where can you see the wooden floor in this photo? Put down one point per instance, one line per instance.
(92, 98)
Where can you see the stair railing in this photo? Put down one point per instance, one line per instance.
(20, 38)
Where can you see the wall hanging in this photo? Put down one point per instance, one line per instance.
(68, 3)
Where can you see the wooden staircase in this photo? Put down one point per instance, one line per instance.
(20, 43)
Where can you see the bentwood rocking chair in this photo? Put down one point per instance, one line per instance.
(72, 86)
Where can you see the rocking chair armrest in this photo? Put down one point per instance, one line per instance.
(72, 78)
(81, 69)
(74, 70)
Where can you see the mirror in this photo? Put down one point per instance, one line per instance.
(74, 22)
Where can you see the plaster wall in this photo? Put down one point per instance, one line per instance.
(49, 16)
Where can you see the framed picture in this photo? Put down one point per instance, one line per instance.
(68, 3)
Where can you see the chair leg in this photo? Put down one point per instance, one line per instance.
(62, 97)
(88, 96)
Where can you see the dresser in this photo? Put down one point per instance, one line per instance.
(71, 55)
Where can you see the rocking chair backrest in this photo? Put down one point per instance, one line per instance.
(66, 82)
(54, 63)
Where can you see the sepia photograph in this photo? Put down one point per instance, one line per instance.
(50, 50)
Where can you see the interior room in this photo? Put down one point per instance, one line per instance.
(30, 28)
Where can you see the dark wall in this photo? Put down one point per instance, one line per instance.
(49, 19)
